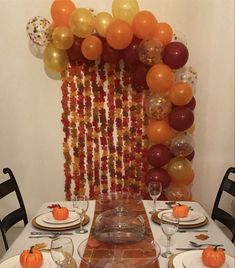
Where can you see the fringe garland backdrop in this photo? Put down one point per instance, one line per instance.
(104, 131)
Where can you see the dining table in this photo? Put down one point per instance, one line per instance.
(208, 233)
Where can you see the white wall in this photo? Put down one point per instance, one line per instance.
(31, 133)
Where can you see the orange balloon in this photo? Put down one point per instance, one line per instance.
(160, 78)
(181, 93)
(178, 192)
(159, 131)
(179, 168)
(92, 47)
(61, 10)
(119, 34)
(163, 32)
(144, 24)
(185, 181)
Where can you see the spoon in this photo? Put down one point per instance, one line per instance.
(190, 230)
(204, 244)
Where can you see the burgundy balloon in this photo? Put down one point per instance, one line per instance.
(158, 174)
(190, 156)
(181, 118)
(192, 104)
(139, 77)
(130, 54)
(74, 52)
(175, 55)
(109, 54)
(158, 155)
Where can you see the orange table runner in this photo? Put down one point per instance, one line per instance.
(139, 254)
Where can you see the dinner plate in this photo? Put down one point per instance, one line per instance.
(192, 259)
(200, 221)
(48, 218)
(38, 223)
(192, 216)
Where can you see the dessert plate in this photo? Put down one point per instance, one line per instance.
(193, 259)
(192, 216)
(48, 218)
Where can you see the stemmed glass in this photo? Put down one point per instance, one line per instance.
(62, 251)
(80, 205)
(155, 189)
(169, 227)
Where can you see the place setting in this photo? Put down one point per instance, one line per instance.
(58, 255)
(61, 218)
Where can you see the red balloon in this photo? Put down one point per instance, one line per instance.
(190, 156)
(139, 78)
(181, 118)
(74, 52)
(130, 53)
(175, 55)
(158, 174)
(158, 155)
(110, 55)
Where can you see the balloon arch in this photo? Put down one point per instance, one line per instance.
(127, 98)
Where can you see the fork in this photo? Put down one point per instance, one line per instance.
(204, 244)
(50, 236)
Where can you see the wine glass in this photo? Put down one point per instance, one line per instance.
(169, 225)
(62, 251)
(80, 205)
(155, 189)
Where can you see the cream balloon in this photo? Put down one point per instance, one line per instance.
(82, 22)
(55, 59)
(125, 9)
(62, 37)
(101, 22)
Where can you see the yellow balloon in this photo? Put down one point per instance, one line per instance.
(55, 59)
(62, 37)
(125, 9)
(179, 168)
(101, 22)
(82, 22)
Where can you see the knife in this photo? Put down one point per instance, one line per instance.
(50, 233)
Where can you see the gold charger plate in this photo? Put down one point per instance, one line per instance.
(155, 218)
(65, 228)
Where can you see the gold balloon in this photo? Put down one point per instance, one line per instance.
(55, 59)
(179, 168)
(82, 22)
(62, 37)
(125, 9)
(177, 192)
(101, 22)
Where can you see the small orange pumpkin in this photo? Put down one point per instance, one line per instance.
(60, 213)
(31, 258)
(213, 257)
(180, 211)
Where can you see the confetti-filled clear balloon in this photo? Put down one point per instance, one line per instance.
(157, 106)
(38, 30)
(182, 144)
(188, 75)
(150, 51)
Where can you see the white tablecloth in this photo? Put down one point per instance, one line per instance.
(178, 240)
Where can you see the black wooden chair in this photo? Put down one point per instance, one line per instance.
(10, 186)
(227, 185)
